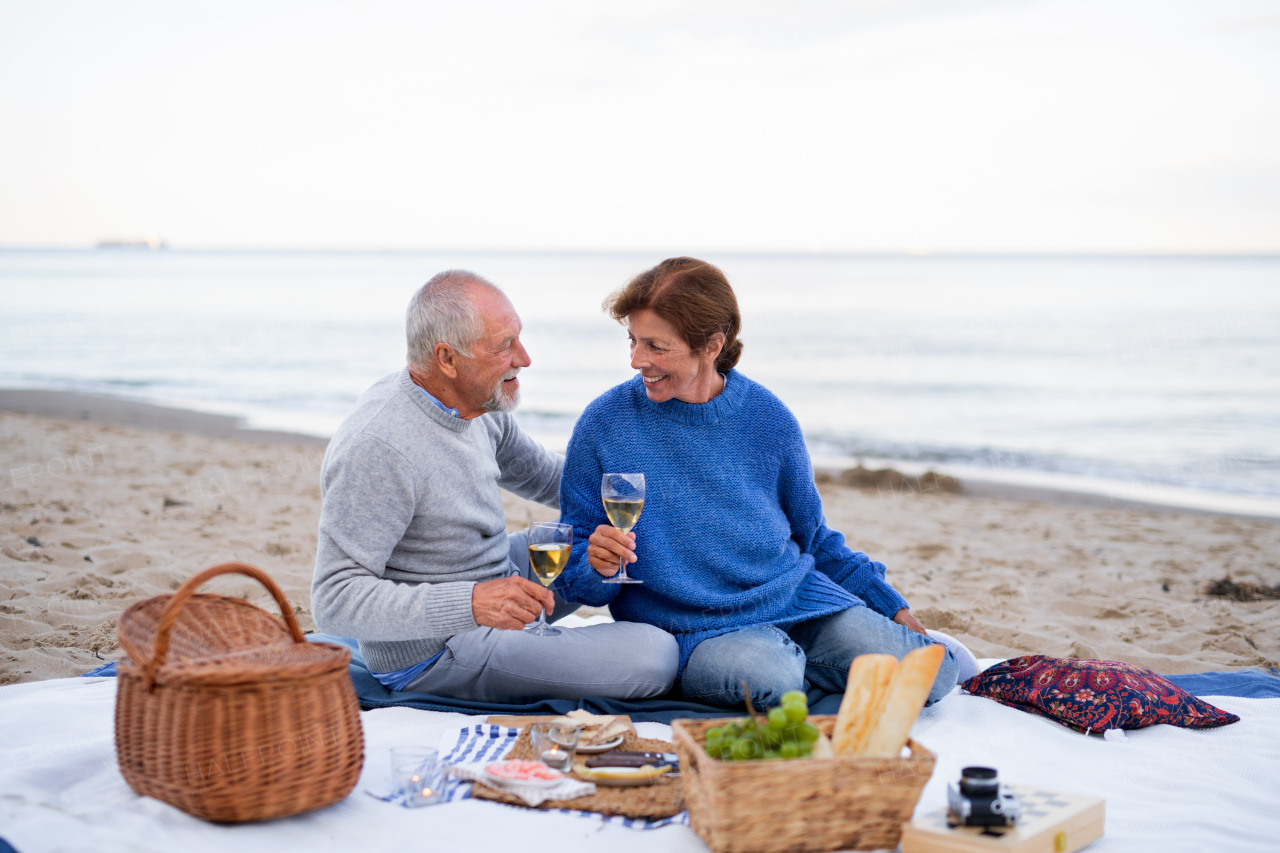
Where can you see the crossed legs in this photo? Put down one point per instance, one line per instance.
(815, 652)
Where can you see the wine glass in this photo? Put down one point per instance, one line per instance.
(623, 496)
(549, 545)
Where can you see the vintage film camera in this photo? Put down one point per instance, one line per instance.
(981, 800)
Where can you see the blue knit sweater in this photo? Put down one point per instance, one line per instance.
(732, 534)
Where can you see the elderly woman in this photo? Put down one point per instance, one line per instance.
(735, 556)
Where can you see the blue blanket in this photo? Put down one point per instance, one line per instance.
(373, 694)
(1246, 683)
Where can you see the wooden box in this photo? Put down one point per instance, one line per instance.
(1051, 822)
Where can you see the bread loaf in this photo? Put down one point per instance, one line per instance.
(908, 691)
(864, 697)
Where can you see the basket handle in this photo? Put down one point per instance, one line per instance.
(188, 589)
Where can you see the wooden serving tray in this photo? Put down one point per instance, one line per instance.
(664, 798)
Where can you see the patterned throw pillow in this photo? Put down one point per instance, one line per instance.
(1094, 694)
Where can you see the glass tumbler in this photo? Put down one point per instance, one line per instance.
(555, 744)
(417, 774)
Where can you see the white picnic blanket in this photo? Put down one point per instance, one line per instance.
(1166, 789)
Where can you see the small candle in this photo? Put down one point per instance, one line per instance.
(417, 775)
(557, 759)
(421, 791)
(555, 744)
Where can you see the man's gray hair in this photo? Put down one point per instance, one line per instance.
(442, 312)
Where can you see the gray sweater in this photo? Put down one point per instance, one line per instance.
(411, 519)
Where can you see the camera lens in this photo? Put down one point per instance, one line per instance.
(978, 781)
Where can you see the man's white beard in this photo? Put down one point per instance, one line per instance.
(500, 401)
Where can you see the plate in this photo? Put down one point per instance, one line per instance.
(600, 747)
(534, 783)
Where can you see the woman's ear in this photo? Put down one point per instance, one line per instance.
(715, 345)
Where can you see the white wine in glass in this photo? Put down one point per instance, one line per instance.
(623, 496)
(548, 560)
(549, 545)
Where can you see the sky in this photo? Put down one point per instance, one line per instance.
(728, 125)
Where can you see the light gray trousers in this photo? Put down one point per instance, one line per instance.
(617, 660)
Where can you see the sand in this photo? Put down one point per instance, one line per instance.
(95, 516)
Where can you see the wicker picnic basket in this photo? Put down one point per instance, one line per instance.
(802, 804)
(228, 715)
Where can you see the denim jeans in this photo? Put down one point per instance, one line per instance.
(816, 653)
(618, 660)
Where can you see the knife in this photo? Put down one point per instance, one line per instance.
(621, 758)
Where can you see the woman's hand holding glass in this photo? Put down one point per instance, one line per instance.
(623, 496)
(608, 547)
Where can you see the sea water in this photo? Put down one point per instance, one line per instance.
(1128, 371)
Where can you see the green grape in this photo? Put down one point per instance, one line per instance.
(785, 732)
(795, 696)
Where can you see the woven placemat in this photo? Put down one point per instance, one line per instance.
(664, 798)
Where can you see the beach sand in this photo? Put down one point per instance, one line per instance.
(95, 516)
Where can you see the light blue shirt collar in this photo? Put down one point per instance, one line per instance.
(430, 397)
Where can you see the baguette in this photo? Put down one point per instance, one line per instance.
(864, 697)
(911, 685)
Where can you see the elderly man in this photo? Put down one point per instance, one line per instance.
(413, 558)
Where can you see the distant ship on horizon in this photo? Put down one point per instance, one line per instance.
(149, 243)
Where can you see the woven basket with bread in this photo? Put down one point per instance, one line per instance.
(857, 797)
